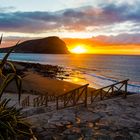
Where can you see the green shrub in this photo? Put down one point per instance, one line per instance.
(12, 126)
(7, 79)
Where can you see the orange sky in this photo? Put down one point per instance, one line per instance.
(103, 48)
(111, 26)
(91, 46)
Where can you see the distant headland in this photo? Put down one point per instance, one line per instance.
(48, 45)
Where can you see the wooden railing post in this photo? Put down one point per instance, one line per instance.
(57, 105)
(41, 100)
(37, 100)
(33, 102)
(101, 95)
(28, 100)
(125, 94)
(46, 100)
(113, 90)
(64, 100)
(86, 96)
(91, 99)
(74, 98)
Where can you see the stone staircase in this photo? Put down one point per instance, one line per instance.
(45, 104)
(99, 120)
(30, 111)
(115, 118)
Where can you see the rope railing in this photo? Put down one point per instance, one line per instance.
(110, 91)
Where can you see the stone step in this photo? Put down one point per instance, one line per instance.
(30, 111)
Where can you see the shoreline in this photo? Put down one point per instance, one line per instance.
(96, 77)
(76, 76)
(36, 80)
(106, 119)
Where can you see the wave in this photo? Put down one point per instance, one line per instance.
(102, 81)
(99, 71)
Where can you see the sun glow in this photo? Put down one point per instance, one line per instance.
(78, 50)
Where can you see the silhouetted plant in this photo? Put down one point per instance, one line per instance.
(7, 79)
(12, 126)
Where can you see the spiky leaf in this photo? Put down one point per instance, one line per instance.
(6, 56)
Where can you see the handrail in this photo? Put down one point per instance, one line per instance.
(40, 101)
(73, 90)
(72, 98)
(78, 96)
(51, 98)
(115, 84)
(112, 90)
(25, 102)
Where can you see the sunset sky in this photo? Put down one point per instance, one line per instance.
(97, 26)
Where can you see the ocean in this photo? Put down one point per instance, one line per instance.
(97, 70)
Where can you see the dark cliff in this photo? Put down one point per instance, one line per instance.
(48, 45)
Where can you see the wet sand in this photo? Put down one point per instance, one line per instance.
(34, 81)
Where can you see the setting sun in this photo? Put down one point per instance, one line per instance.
(78, 50)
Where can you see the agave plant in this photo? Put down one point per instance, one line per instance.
(7, 79)
(12, 126)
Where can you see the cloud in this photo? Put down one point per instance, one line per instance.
(103, 40)
(7, 9)
(76, 19)
(126, 39)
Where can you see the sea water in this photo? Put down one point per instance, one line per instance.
(97, 70)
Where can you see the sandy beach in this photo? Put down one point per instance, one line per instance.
(112, 119)
(34, 81)
(70, 70)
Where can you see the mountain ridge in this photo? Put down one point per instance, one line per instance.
(47, 45)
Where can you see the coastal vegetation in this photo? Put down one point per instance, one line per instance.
(12, 126)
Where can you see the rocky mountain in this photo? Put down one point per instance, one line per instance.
(48, 45)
